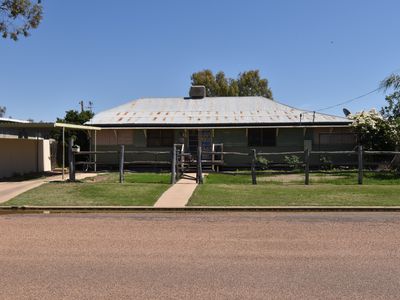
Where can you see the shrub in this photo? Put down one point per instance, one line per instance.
(263, 162)
(293, 161)
(326, 163)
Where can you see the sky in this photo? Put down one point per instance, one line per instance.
(314, 53)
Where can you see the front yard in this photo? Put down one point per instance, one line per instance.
(235, 189)
(138, 189)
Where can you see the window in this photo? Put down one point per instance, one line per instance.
(125, 137)
(262, 137)
(337, 139)
(160, 138)
(106, 137)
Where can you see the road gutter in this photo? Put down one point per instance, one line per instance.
(55, 209)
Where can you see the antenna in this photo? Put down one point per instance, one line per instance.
(90, 107)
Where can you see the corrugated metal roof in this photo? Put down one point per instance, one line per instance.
(209, 110)
(9, 120)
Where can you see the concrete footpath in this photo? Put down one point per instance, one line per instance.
(11, 189)
(179, 194)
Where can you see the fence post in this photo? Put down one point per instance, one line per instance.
(199, 167)
(307, 166)
(71, 158)
(121, 163)
(253, 166)
(173, 166)
(360, 164)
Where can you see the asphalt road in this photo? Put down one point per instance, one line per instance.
(200, 256)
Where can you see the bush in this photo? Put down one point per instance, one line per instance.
(326, 163)
(293, 161)
(263, 162)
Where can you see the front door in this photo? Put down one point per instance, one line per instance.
(193, 141)
(200, 137)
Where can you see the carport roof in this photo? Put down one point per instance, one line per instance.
(48, 125)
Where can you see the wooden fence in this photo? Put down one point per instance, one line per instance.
(178, 158)
(121, 160)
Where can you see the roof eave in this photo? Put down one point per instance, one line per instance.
(212, 126)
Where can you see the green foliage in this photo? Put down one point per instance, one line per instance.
(18, 17)
(293, 161)
(248, 83)
(393, 81)
(326, 162)
(392, 110)
(263, 162)
(75, 117)
(79, 118)
(381, 131)
(376, 132)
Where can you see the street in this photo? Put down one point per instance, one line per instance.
(200, 255)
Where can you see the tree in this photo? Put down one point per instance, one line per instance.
(248, 83)
(375, 132)
(3, 110)
(392, 81)
(18, 17)
(79, 118)
(392, 109)
(381, 130)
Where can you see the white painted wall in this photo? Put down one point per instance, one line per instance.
(21, 156)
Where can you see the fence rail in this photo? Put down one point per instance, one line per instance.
(280, 153)
(225, 153)
(178, 160)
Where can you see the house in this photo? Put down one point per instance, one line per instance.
(234, 123)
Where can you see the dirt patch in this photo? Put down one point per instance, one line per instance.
(286, 178)
(98, 178)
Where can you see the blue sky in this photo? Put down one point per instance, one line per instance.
(314, 53)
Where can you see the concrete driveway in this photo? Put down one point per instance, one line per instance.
(200, 256)
(9, 190)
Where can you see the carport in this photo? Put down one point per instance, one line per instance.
(90, 130)
(25, 146)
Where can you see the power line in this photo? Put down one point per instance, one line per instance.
(356, 98)
(351, 100)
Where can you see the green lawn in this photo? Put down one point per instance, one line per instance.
(164, 178)
(338, 188)
(337, 178)
(138, 189)
(321, 194)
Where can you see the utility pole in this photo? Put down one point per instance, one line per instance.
(82, 108)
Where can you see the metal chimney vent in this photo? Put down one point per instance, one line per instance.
(197, 91)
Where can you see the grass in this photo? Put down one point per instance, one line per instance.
(349, 178)
(336, 178)
(163, 178)
(269, 195)
(336, 188)
(138, 189)
(234, 189)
